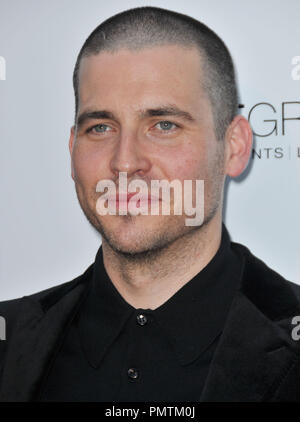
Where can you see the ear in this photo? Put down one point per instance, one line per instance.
(71, 143)
(238, 147)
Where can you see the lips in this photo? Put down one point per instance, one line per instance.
(125, 197)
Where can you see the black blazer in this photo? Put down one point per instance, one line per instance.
(256, 358)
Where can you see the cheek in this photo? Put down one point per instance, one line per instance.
(87, 164)
(187, 164)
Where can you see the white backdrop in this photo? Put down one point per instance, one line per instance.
(45, 238)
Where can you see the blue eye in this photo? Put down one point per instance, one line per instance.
(165, 125)
(99, 128)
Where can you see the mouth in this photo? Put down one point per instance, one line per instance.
(123, 199)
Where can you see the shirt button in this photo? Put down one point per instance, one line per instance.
(141, 319)
(133, 373)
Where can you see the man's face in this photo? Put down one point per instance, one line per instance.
(130, 138)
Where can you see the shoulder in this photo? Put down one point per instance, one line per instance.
(50, 294)
(259, 268)
(44, 299)
(296, 289)
(264, 286)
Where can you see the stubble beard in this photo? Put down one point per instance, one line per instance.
(150, 242)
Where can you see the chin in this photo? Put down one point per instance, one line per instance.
(131, 244)
(134, 240)
(138, 235)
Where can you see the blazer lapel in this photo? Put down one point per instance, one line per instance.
(256, 348)
(33, 342)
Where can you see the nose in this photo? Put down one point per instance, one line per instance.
(129, 156)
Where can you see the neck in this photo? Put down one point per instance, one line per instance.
(150, 281)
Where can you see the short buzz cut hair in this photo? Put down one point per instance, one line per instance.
(143, 27)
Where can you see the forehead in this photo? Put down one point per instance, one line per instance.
(142, 77)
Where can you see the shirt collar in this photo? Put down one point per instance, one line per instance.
(191, 319)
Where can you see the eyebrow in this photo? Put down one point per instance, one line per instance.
(168, 110)
(96, 114)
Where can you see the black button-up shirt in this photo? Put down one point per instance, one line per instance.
(115, 352)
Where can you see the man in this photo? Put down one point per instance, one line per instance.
(169, 311)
